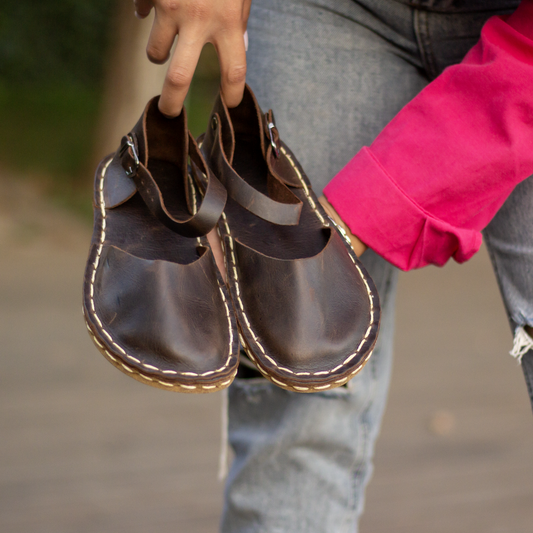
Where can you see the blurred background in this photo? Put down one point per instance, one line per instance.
(85, 449)
(73, 78)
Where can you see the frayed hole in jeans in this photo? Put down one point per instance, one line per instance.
(523, 342)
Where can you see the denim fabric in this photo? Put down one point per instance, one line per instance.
(509, 239)
(335, 72)
(527, 367)
(302, 460)
(461, 6)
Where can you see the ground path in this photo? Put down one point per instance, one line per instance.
(84, 449)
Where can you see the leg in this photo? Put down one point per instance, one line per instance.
(507, 237)
(335, 72)
(302, 461)
(510, 243)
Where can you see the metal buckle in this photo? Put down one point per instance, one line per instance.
(129, 143)
(270, 127)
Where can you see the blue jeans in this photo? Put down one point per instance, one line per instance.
(335, 72)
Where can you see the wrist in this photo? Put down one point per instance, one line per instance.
(358, 246)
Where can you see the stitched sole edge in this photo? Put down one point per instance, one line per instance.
(309, 386)
(152, 380)
(303, 382)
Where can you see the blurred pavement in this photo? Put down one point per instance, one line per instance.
(85, 449)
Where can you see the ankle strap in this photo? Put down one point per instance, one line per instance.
(214, 193)
(285, 213)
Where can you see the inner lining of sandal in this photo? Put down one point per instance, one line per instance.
(306, 239)
(132, 228)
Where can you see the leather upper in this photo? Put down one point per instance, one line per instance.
(307, 309)
(167, 310)
(309, 313)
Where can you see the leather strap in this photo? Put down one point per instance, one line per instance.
(271, 132)
(261, 205)
(210, 209)
(278, 164)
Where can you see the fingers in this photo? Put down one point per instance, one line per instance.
(142, 8)
(179, 74)
(161, 39)
(232, 57)
(221, 22)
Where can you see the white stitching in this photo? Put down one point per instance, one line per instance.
(323, 387)
(194, 202)
(126, 367)
(277, 382)
(93, 277)
(166, 384)
(246, 320)
(110, 356)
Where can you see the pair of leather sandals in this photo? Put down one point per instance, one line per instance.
(303, 307)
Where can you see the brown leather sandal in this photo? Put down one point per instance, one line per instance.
(307, 311)
(154, 301)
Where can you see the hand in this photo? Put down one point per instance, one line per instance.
(197, 22)
(358, 246)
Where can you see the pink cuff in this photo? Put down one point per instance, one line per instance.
(422, 238)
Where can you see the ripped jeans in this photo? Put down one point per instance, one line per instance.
(335, 72)
(509, 239)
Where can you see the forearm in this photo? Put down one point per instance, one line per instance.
(440, 170)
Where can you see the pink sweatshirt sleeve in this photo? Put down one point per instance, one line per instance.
(440, 170)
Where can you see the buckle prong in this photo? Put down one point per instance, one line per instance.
(270, 127)
(130, 144)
